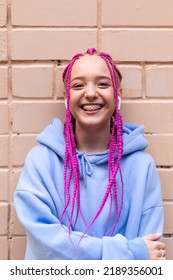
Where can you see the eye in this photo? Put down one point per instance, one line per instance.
(103, 85)
(77, 86)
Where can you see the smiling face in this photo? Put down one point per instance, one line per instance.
(91, 93)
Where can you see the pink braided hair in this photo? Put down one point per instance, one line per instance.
(71, 168)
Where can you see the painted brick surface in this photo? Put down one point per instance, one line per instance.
(160, 149)
(16, 227)
(166, 177)
(4, 181)
(41, 44)
(18, 245)
(131, 81)
(3, 118)
(31, 117)
(21, 144)
(3, 218)
(168, 227)
(4, 248)
(4, 151)
(159, 82)
(37, 39)
(54, 13)
(3, 44)
(37, 81)
(136, 13)
(59, 90)
(3, 82)
(3, 13)
(138, 44)
(157, 116)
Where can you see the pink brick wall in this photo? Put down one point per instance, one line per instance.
(35, 36)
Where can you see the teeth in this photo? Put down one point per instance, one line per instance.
(91, 107)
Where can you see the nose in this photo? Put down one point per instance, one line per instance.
(91, 92)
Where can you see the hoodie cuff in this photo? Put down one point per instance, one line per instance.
(116, 248)
(138, 248)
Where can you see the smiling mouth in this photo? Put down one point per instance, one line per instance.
(93, 107)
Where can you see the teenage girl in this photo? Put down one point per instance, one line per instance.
(89, 190)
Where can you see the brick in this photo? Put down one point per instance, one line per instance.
(59, 85)
(159, 82)
(3, 151)
(37, 81)
(4, 174)
(3, 44)
(33, 117)
(131, 81)
(166, 178)
(3, 82)
(18, 245)
(46, 44)
(16, 226)
(169, 247)
(133, 13)
(15, 177)
(138, 44)
(3, 12)
(4, 248)
(160, 147)
(157, 116)
(21, 144)
(54, 13)
(168, 212)
(3, 218)
(3, 118)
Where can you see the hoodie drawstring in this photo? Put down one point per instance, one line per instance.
(86, 169)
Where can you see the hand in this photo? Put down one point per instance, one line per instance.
(156, 249)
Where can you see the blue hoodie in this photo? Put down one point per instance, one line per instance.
(39, 201)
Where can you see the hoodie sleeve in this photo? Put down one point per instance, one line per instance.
(152, 218)
(48, 239)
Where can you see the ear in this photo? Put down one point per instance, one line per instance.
(120, 91)
(64, 91)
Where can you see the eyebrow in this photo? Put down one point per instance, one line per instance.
(97, 77)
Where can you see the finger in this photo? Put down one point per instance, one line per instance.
(152, 237)
(162, 254)
(161, 245)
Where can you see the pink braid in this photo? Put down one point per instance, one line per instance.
(117, 126)
(115, 145)
(70, 154)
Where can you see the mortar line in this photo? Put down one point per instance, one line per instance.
(99, 22)
(9, 27)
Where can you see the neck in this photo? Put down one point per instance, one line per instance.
(92, 141)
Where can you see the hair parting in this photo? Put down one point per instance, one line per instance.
(71, 168)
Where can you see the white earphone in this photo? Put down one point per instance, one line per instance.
(119, 103)
(65, 101)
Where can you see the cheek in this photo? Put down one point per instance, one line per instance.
(73, 104)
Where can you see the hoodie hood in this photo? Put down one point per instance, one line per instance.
(53, 137)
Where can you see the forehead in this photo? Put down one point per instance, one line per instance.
(90, 65)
